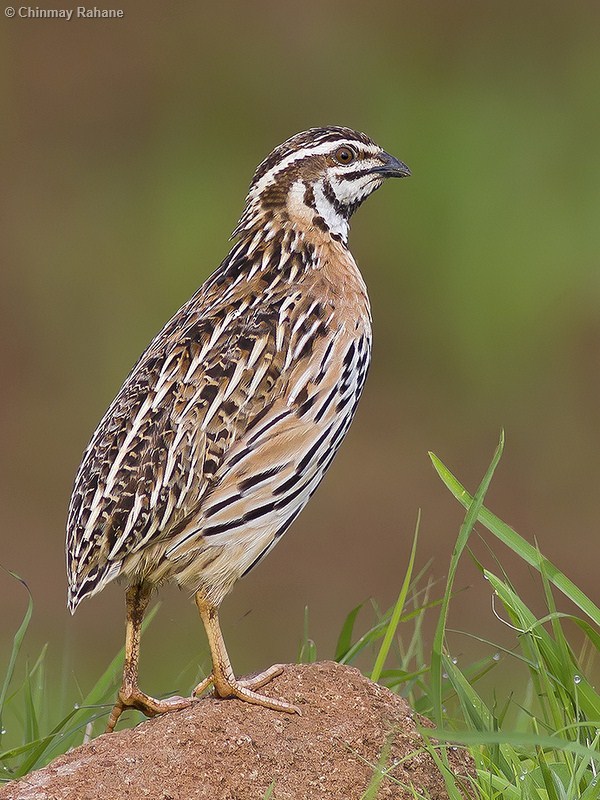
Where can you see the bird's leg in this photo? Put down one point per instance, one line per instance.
(130, 696)
(223, 678)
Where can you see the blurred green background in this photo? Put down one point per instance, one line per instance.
(128, 146)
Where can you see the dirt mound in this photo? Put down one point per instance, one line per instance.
(229, 750)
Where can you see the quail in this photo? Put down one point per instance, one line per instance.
(230, 418)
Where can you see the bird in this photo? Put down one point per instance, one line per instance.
(228, 421)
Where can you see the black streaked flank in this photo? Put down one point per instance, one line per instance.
(212, 509)
(310, 454)
(306, 406)
(289, 498)
(326, 403)
(269, 424)
(288, 484)
(349, 357)
(259, 477)
(258, 512)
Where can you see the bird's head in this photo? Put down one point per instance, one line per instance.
(318, 178)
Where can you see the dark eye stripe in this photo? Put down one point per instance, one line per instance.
(352, 176)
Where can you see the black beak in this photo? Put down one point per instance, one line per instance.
(391, 167)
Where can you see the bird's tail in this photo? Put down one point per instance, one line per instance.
(87, 585)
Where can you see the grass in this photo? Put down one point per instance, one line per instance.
(541, 742)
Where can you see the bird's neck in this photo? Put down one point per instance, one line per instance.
(315, 207)
(310, 210)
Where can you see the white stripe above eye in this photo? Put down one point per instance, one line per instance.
(321, 149)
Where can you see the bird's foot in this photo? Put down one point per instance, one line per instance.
(244, 689)
(134, 698)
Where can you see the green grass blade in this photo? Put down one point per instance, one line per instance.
(514, 738)
(475, 710)
(547, 776)
(39, 747)
(308, 649)
(17, 642)
(374, 633)
(591, 793)
(32, 728)
(379, 773)
(344, 642)
(471, 516)
(397, 611)
(554, 663)
(454, 792)
(518, 544)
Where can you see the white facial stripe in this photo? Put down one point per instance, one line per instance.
(349, 191)
(334, 221)
(321, 149)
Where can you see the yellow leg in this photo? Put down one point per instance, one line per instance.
(130, 696)
(223, 678)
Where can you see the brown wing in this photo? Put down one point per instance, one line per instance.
(157, 449)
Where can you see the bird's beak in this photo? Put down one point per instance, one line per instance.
(391, 167)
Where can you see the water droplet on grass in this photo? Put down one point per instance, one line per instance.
(577, 679)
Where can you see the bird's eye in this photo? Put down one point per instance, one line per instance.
(345, 155)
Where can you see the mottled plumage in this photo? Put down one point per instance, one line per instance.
(232, 415)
